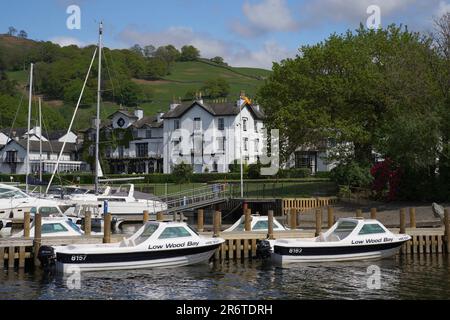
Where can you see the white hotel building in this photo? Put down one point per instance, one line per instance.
(208, 135)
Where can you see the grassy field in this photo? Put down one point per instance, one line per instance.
(184, 77)
(300, 189)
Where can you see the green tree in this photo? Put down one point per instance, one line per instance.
(129, 94)
(22, 34)
(12, 31)
(168, 53)
(182, 172)
(189, 53)
(219, 60)
(137, 49)
(72, 92)
(149, 51)
(156, 68)
(216, 88)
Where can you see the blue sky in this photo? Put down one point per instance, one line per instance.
(245, 32)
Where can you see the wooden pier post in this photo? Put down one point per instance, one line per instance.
(447, 229)
(107, 228)
(373, 213)
(175, 216)
(217, 223)
(402, 221)
(248, 220)
(145, 216)
(359, 213)
(318, 222)
(26, 224)
(87, 223)
(200, 220)
(159, 216)
(412, 217)
(293, 219)
(330, 217)
(270, 225)
(37, 237)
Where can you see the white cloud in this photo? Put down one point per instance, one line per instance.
(235, 53)
(265, 16)
(443, 8)
(323, 12)
(67, 41)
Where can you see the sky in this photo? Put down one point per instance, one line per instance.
(250, 33)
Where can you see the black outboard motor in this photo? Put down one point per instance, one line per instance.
(263, 250)
(47, 257)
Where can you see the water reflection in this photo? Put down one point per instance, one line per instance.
(406, 277)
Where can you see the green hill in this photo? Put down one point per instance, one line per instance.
(182, 77)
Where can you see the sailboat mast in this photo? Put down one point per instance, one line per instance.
(27, 163)
(99, 94)
(40, 141)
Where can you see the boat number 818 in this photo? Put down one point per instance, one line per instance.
(78, 258)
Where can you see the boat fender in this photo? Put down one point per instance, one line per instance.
(1, 224)
(46, 256)
(263, 249)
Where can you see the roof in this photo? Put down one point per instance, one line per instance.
(47, 146)
(125, 113)
(20, 132)
(216, 109)
(148, 121)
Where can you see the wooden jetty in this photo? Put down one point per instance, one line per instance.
(237, 245)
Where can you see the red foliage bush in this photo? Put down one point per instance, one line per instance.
(386, 176)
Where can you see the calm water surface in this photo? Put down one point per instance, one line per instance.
(426, 277)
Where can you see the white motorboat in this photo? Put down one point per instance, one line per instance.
(14, 202)
(258, 223)
(119, 202)
(349, 239)
(55, 227)
(5, 227)
(154, 245)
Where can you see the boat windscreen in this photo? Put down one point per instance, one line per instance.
(73, 226)
(343, 229)
(148, 231)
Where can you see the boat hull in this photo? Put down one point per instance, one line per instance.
(135, 260)
(294, 254)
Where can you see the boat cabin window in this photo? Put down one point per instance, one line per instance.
(47, 211)
(53, 227)
(148, 231)
(344, 228)
(73, 226)
(371, 229)
(261, 225)
(7, 193)
(174, 232)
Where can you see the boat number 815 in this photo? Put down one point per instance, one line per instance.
(78, 258)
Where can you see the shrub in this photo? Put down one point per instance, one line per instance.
(182, 172)
(254, 171)
(352, 174)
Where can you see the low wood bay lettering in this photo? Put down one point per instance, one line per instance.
(371, 241)
(174, 245)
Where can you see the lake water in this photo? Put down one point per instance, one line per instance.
(425, 277)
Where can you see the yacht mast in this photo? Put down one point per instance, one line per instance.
(27, 163)
(99, 93)
(40, 142)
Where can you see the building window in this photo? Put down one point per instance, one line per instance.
(148, 133)
(197, 124)
(120, 135)
(91, 151)
(221, 143)
(244, 124)
(176, 124)
(304, 160)
(245, 144)
(176, 145)
(121, 152)
(11, 156)
(256, 126)
(120, 122)
(108, 151)
(142, 150)
(215, 167)
(256, 145)
(221, 124)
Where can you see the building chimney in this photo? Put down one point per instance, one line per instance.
(139, 113)
(159, 116)
(241, 100)
(199, 98)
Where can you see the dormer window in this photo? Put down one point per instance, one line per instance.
(176, 124)
(197, 124)
(148, 133)
(221, 125)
